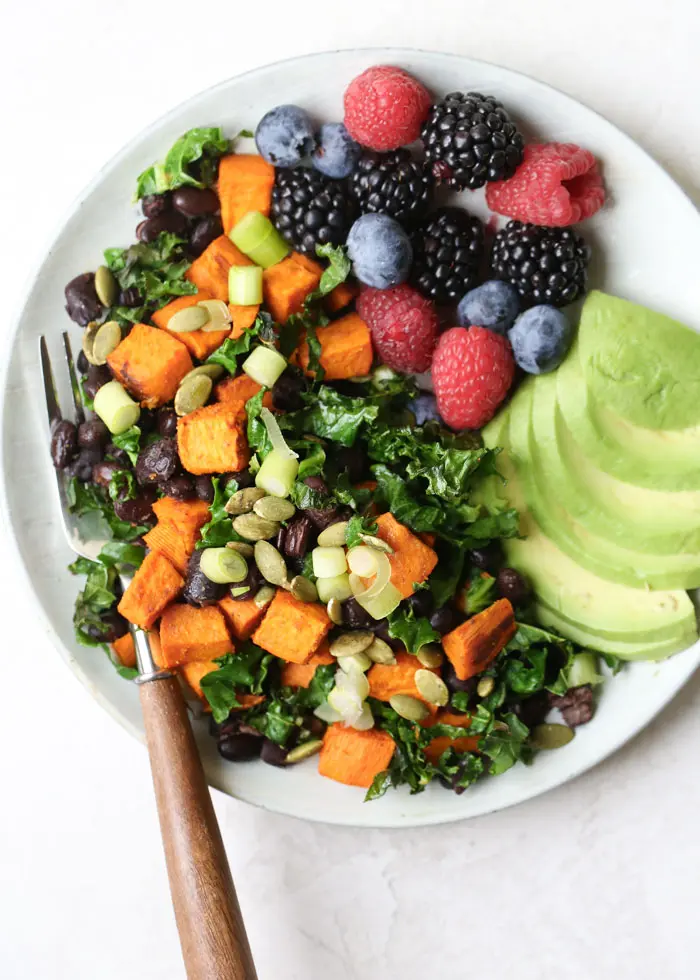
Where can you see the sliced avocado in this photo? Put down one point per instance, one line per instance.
(660, 459)
(642, 365)
(604, 558)
(580, 598)
(657, 521)
(628, 650)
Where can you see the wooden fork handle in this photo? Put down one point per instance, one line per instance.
(212, 934)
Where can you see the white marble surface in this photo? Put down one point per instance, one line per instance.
(597, 880)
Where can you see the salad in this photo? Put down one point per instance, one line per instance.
(337, 427)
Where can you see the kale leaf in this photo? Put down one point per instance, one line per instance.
(414, 632)
(245, 670)
(157, 270)
(130, 442)
(219, 530)
(87, 498)
(203, 145)
(337, 417)
(228, 355)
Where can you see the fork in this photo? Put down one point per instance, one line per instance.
(212, 934)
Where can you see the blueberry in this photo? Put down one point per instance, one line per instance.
(380, 251)
(540, 339)
(337, 152)
(494, 305)
(424, 407)
(285, 136)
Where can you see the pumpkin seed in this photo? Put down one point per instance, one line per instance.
(430, 655)
(242, 547)
(335, 611)
(107, 339)
(485, 686)
(242, 501)
(187, 320)
(106, 286)
(270, 562)
(192, 395)
(89, 335)
(304, 750)
(431, 687)
(346, 644)
(255, 528)
(377, 543)
(334, 535)
(264, 596)
(550, 736)
(409, 708)
(303, 589)
(239, 590)
(274, 508)
(213, 371)
(358, 661)
(312, 438)
(379, 652)
(219, 315)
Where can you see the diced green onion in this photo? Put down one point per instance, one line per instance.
(365, 720)
(336, 587)
(357, 661)
(257, 237)
(381, 605)
(277, 474)
(326, 713)
(353, 681)
(245, 285)
(584, 670)
(383, 568)
(264, 365)
(363, 561)
(329, 562)
(116, 408)
(275, 434)
(223, 565)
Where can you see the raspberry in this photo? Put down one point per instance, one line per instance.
(385, 107)
(472, 372)
(556, 184)
(403, 325)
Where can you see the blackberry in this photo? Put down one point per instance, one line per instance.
(393, 184)
(546, 265)
(308, 209)
(470, 139)
(448, 249)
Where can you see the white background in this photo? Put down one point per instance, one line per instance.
(596, 880)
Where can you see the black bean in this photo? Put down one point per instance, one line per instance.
(204, 488)
(179, 488)
(112, 625)
(103, 472)
(287, 390)
(380, 628)
(316, 483)
(453, 682)
(512, 585)
(273, 754)
(158, 462)
(97, 375)
(421, 602)
(199, 590)
(204, 232)
(154, 204)
(138, 510)
(488, 558)
(148, 420)
(171, 221)
(239, 747)
(280, 539)
(64, 443)
(118, 455)
(81, 467)
(353, 460)
(167, 422)
(93, 434)
(82, 363)
(577, 706)
(195, 201)
(445, 620)
(297, 538)
(130, 297)
(82, 304)
(533, 710)
(355, 616)
(314, 725)
(244, 479)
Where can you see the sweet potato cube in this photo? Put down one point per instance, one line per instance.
(434, 749)
(243, 317)
(346, 349)
(243, 616)
(199, 343)
(412, 561)
(210, 271)
(245, 184)
(287, 284)
(234, 391)
(177, 531)
(193, 674)
(472, 646)
(342, 296)
(188, 634)
(301, 675)
(154, 586)
(150, 363)
(213, 440)
(386, 680)
(125, 650)
(353, 757)
(292, 630)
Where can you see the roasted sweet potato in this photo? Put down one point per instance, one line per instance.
(346, 349)
(150, 363)
(292, 630)
(386, 680)
(193, 674)
(301, 675)
(342, 296)
(125, 650)
(233, 391)
(353, 757)
(177, 531)
(213, 440)
(245, 184)
(473, 645)
(470, 743)
(154, 586)
(188, 634)
(210, 271)
(246, 701)
(412, 561)
(287, 284)
(199, 343)
(243, 317)
(243, 616)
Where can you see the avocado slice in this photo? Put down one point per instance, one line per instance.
(642, 365)
(658, 459)
(582, 600)
(659, 522)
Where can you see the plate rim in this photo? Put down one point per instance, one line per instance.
(391, 54)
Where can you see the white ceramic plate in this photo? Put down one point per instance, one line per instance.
(645, 246)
